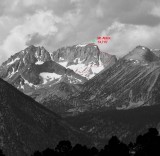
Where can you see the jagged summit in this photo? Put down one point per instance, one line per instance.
(29, 55)
(133, 81)
(141, 54)
(31, 46)
(84, 59)
(33, 67)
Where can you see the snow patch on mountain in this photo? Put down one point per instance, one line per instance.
(143, 48)
(39, 62)
(13, 61)
(49, 76)
(96, 69)
(82, 69)
(84, 59)
(81, 45)
(28, 83)
(61, 58)
(135, 104)
(78, 60)
(12, 73)
(64, 64)
(21, 86)
(74, 80)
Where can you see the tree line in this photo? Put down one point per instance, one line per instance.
(147, 144)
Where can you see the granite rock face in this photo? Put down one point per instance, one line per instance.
(133, 81)
(58, 75)
(86, 60)
(32, 68)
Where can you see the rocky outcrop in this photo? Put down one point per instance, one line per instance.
(86, 60)
(33, 68)
(133, 81)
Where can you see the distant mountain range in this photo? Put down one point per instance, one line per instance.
(123, 100)
(133, 81)
(35, 68)
(61, 76)
(130, 82)
(96, 93)
(40, 74)
(86, 60)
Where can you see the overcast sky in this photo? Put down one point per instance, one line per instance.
(58, 23)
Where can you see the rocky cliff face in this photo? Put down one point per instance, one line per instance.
(133, 81)
(85, 60)
(32, 68)
(130, 82)
(105, 106)
(26, 126)
(43, 75)
(101, 107)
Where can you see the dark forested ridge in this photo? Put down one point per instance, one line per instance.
(125, 124)
(146, 145)
(26, 126)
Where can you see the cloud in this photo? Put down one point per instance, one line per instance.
(99, 12)
(19, 8)
(6, 24)
(42, 23)
(156, 11)
(57, 23)
(124, 37)
(34, 39)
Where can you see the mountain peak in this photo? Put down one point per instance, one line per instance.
(31, 46)
(141, 54)
(32, 49)
(32, 68)
(87, 44)
(84, 59)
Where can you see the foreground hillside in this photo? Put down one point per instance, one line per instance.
(26, 126)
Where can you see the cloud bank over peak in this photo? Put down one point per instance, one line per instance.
(124, 37)
(57, 23)
(42, 23)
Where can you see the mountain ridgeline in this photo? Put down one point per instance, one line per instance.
(93, 91)
(58, 80)
(133, 81)
(34, 68)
